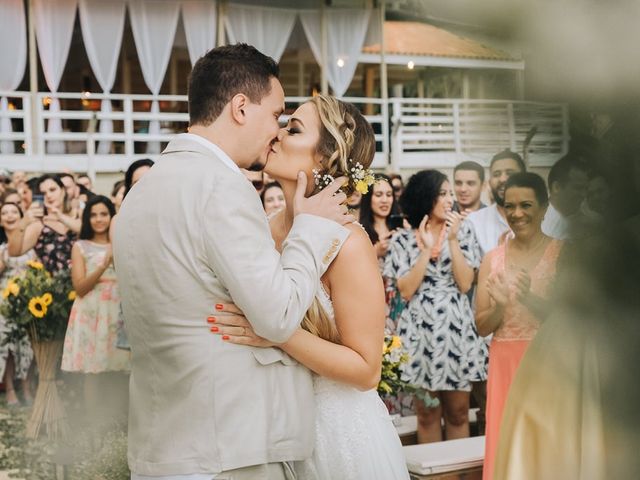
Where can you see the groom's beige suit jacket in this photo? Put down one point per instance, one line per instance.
(190, 234)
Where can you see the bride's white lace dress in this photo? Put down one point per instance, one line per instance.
(355, 437)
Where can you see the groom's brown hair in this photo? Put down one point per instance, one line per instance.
(224, 72)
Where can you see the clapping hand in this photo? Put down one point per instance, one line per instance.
(425, 237)
(522, 284)
(454, 219)
(231, 324)
(498, 288)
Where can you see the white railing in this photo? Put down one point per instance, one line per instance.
(443, 132)
(419, 133)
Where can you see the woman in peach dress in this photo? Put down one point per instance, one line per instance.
(513, 282)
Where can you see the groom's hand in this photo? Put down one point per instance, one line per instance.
(328, 203)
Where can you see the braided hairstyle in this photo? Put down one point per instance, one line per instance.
(346, 138)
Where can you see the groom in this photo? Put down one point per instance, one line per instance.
(192, 233)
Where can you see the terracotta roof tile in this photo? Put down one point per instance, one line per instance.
(414, 38)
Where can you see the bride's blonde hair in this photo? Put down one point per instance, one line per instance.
(346, 138)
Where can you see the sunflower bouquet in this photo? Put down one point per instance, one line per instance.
(38, 303)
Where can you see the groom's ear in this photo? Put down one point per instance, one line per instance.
(238, 105)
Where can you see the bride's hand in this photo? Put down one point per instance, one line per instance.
(231, 324)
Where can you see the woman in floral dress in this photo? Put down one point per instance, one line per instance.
(16, 356)
(433, 264)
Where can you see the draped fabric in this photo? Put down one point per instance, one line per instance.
(346, 31)
(102, 26)
(13, 51)
(54, 27)
(153, 23)
(199, 18)
(267, 29)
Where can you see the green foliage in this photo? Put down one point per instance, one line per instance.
(37, 303)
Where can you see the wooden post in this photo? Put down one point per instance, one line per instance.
(384, 94)
(33, 85)
(369, 87)
(301, 89)
(324, 82)
(220, 31)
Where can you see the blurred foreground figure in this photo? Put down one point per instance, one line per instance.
(572, 409)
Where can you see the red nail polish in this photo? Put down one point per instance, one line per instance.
(211, 319)
(214, 329)
(219, 306)
(225, 337)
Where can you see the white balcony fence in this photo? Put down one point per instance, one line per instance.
(411, 133)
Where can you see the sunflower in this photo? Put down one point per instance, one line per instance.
(47, 298)
(12, 288)
(37, 307)
(35, 264)
(72, 295)
(396, 342)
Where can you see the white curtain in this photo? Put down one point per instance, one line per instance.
(153, 23)
(267, 29)
(102, 25)
(346, 31)
(199, 18)
(54, 27)
(13, 57)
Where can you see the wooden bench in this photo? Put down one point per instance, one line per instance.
(445, 459)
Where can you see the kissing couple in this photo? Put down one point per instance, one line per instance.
(280, 382)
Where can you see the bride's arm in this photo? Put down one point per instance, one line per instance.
(357, 293)
(358, 300)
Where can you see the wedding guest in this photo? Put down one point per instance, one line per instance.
(489, 224)
(353, 203)
(272, 198)
(256, 179)
(15, 356)
(52, 230)
(26, 191)
(376, 209)
(73, 192)
(18, 177)
(90, 340)
(135, 172)
(397, 184)
(468, 180)
(513, 280)
(568, 181)
(433, 264)
(117, 194)
(85, 181)
(11, 195)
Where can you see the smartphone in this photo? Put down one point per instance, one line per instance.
(39, 199)
(395, 221)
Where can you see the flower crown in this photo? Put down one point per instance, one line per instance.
(359, 177)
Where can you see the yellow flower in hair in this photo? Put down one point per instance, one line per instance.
(5, 292)
(37, 307)
(72, 295)
(35, 264)
(362, 186)
(47, 299)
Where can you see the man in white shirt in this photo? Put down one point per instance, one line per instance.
(568, 181)
(489, 224)
(468, 180)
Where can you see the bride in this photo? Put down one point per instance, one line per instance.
(342, 333)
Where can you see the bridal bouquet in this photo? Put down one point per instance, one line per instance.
(391, 383)
(38, 304)
(393, 357)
